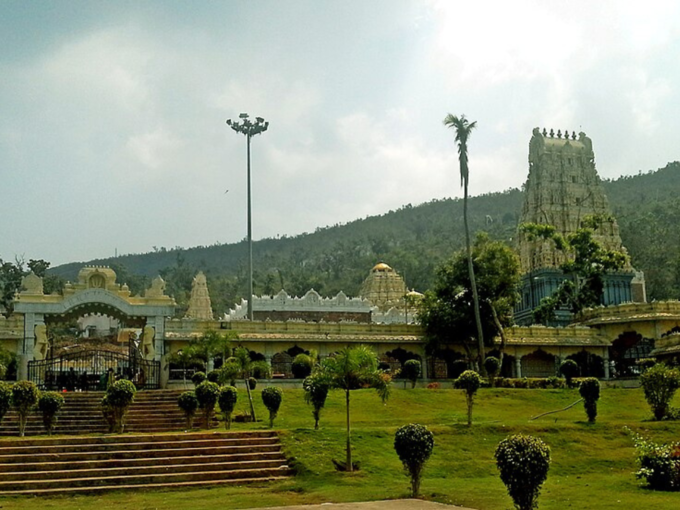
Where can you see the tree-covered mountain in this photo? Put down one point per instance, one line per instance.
(413, 239)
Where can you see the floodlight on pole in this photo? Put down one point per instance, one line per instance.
(249, 128)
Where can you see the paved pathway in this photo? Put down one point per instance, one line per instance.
(393, 504)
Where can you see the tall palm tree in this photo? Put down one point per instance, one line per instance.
(351, 369)
(463, 129)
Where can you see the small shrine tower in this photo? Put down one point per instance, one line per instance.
(199, 303)
(384, 288)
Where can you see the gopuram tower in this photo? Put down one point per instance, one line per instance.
(562, 189)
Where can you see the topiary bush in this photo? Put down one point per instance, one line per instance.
(49, 404)
(316, 388)
(272, 397)
(414, 444)
(523, 462)
(492, 365)
(5, 398)
(227, 401)
(659, 463)
(252, 383)
(188, 403)
(302, 366)
(198, 378)
(213, 376)
(410, 371)
(116, 403)
(569, 369)
(25, 396)
(590, 392)
(660, 383)
(469, 381)
(207, 393)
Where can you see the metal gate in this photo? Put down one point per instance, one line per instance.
(90, 369)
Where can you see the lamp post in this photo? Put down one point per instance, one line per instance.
(249, 129)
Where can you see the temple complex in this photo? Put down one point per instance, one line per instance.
(561, 190)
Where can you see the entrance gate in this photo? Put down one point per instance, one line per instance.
(88, 370)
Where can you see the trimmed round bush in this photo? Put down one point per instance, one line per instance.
(523, 462)
(227, 401)
(469, 381)
(198, 378)
(492, 365)
(213, 376)
(118, 398)
(316, 388)
(414, 444)
(411, 370)
(660, 383)
(207, 393)
(302, 366)
(590, 392)
(271, 398)
(49, 404)
(25, 396)
(5, 398)
(252, 383)
(569, 369)
(188, 403)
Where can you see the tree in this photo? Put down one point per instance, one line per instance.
(218, 344)
(271, 398)
(187, 356)
(353, 368)
(469, 381)
(316, 388)
(49, 404)
(660, 384)
(590, 392)
(447, 309)
(11, 274)
(240, 365)
(227, 401)
(569, 369)
(414, 444)
(492, 366)
(207, 393)
(25, 396)
(410, 371)
(523, 462)
(188, 403)
(463, 130)
(586, 264)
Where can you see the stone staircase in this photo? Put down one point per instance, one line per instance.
(100, 463)
(151, 411)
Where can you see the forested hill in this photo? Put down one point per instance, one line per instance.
(413, 240)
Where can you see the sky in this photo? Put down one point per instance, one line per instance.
(113, 134)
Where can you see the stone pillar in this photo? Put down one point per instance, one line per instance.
(25, 347)
(158, 322)
(606, 364)
(423, 363)
(165, 372)
(518, 366)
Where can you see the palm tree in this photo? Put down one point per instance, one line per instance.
(463, 129)
(351, 369)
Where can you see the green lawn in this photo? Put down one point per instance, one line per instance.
(592, 465)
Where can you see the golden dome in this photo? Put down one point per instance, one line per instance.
(381, 267)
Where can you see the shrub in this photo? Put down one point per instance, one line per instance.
(410, 371)
(414, 444)
(229, 371)
(118, 398)
(50, 403)
(271, 397)
(569, 369)
(316, 388)
(659, 464)
(24, 396)
(523, 462)
(457, 367)
(645, 364)
(302, 366)
(198, 378)
(227, 401)
(659, 384)
(207, 393)
(469, 381)
(492, 366)
(213, 376)
(261, 369)
(590, 392)
(5, 398)
(252, 383)
(188, 403)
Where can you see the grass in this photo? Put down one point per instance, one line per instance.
(592, 464)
